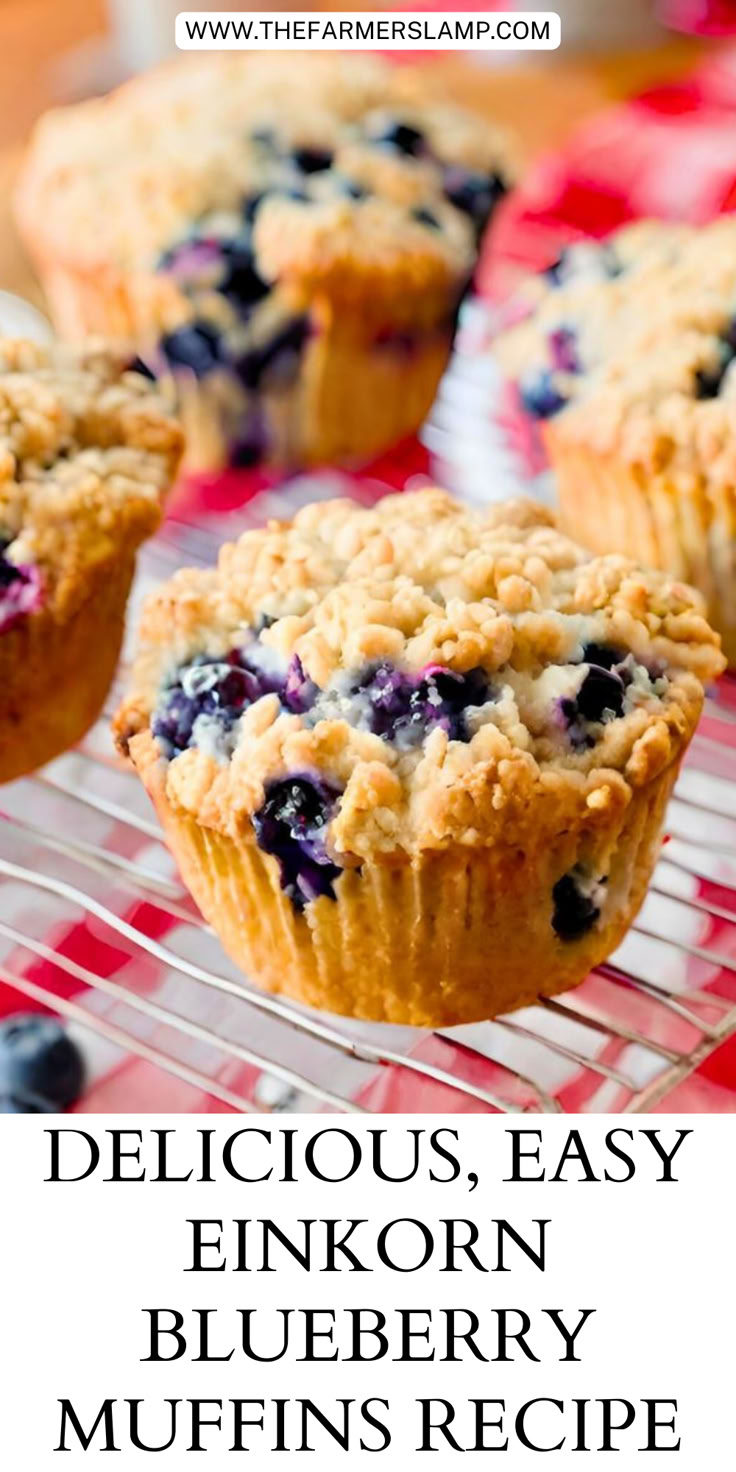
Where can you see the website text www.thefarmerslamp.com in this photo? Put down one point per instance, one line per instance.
(308, 30)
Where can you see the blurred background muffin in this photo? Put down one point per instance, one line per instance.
(285, 239)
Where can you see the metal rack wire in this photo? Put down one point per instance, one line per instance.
(629, 1034)
(95, 923)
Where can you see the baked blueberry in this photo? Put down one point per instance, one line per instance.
(20, 588)
(219, 688)
(195, 346)
(41, 1068)
(299, 691)
(601, 694)
(540, 396)
(475, 194)
(250, 205)
(241, 281)
(10, 572)
(563, 350)
(137, 365)
(403, 138)
(404, 708)
(275, 362)
(246, 453)
(603, 655)
(352, 188)
(295, 191)
(574, 912)
(312, 160)
(292, 825)
(425, 217)
(708, 381)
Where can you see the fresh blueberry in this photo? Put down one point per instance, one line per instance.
(402, 137)
(425, 217)
(41, 1069)
(563, 350)
(540, 396)
(312, 160)
(292, 825)
(574, 912)
(275, 362)
(195, 346)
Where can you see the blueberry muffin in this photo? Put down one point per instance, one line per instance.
(287, 240)
(413, 761)
(626, 362)
(86, 455)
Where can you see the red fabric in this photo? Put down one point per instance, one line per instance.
(669, 153)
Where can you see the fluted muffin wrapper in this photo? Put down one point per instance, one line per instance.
(350, 400)
(441, 938)
(56, 670)
(678, 520)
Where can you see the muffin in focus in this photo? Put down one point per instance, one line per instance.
(87, 453)
(286, 239)
(626, 363)
(413, 761)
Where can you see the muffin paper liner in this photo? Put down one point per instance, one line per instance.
(444, 937)
(55, 672)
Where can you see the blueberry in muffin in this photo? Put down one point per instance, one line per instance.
(413, 761)
(286, 240)
(87, 452)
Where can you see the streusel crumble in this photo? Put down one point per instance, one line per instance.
(413, 760)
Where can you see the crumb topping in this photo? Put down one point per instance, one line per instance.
(335, 153)
(87, 451)
(630, 344)
(444, 674)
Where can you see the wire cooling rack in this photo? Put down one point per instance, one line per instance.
(95, 923)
